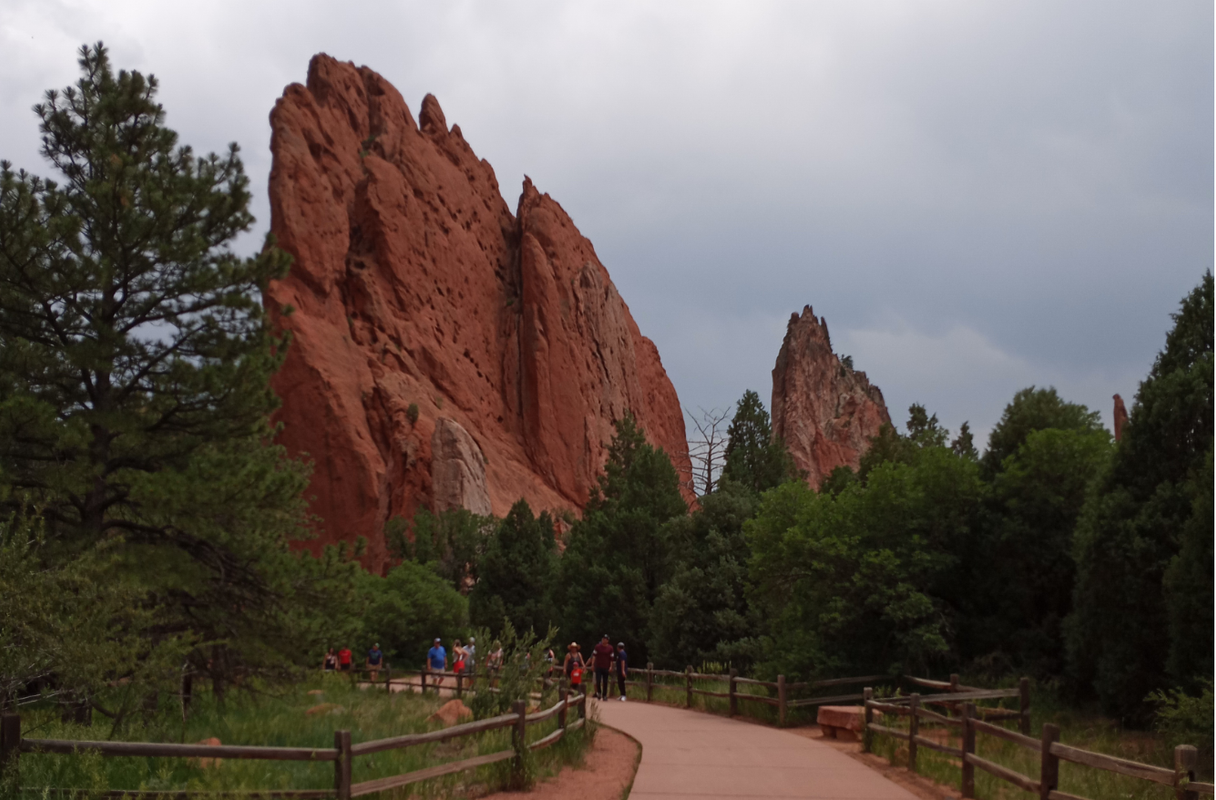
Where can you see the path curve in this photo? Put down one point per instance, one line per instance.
(688, 754)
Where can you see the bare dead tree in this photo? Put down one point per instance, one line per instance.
(707, 447)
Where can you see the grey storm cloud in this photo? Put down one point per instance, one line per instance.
(978, 196)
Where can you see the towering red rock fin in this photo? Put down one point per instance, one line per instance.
(825, 411)
(444, 353)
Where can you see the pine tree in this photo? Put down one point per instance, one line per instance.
(515, 576)
(134, 364)
(753, 458)
(616, 559)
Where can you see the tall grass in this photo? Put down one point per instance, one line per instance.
(277, 717)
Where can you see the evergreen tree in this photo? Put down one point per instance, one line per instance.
(135, 366)
(753, 458)
(964, 443)
(1136, 525)
(615, 559)
(924, 430)
(516, 575)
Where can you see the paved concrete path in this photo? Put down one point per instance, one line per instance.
(688, 754)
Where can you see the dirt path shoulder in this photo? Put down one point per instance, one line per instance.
(606, 773)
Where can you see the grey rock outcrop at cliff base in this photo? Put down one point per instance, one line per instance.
(458, 469)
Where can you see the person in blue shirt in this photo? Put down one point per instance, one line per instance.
(375, 657)
(437, 660)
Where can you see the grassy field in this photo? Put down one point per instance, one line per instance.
(278, 717)
(1087, 730)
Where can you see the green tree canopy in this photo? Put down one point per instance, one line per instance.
(1131, 631)
(615, 559)
(879, 557)
(1033, 410)
(753, 458)
(701, 613)
(404, 611)
(451, 543)
(1022, 588)
(516, 575)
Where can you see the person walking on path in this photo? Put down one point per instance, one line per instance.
(622, 667)
(344, 659)
(494, 662)
(604, 655)
(437, 660)
(375, 657)
(470, 660)
(574, 667)
(330, 664)
(458, 658)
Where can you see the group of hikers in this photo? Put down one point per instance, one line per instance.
(341, 660)
(606, 661)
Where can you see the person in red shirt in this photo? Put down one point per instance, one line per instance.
(344, 659)
(604, 654)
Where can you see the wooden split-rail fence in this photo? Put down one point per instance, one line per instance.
(342, 754)
(973, 721)
(779, 693)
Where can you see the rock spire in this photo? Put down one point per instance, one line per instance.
(822, 408)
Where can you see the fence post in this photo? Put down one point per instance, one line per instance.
(867, 696)
(688, 686)
(342, 765)
(1049, 763)
(1185, 758)
(734, 699)
(519, 739)
(563, 692)
(781, 700)
(459, 684)
(913, 729)
(422, 688)
(388, 679)
(968, 748)
(649, 680)
(954, 683)
(1024, 704)
(10, 744)
(582, 702)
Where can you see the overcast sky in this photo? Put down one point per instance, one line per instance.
(978, 196)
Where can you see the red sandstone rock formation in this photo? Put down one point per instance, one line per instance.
(414, 285)
(1120, 417)
(824, 410)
